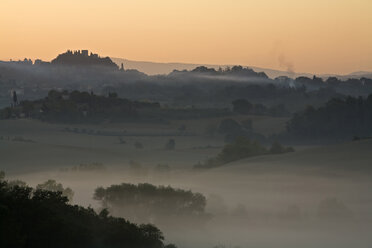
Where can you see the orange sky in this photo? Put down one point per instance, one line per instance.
(317, 36)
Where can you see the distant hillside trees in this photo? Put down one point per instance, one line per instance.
(236, 70)
(158, 204)
(338, 118)
(239, 149)
(78, 107)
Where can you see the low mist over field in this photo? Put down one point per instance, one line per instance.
(315, 194)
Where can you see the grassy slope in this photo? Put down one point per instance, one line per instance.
(54, 148)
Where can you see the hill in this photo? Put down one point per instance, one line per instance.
(83, 58)
(154, 68)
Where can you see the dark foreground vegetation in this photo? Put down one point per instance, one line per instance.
(38, 218)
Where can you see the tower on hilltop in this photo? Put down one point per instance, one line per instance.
(84, 53)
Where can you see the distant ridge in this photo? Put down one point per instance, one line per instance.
(154, 68)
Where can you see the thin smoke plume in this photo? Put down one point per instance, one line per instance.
(283, 62)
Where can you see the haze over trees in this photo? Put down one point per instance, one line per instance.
(158, 204)
(84, 71)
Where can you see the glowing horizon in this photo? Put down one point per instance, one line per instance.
(306, 36)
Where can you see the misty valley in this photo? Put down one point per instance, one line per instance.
(96, 155)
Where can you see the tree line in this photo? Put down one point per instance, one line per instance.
(339, 118)
(76, 106)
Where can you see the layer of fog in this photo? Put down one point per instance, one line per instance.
(260, 202)
(264, 210)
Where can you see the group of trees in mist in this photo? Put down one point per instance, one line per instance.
(40, 218)
(339, 118)
(77, 106)
(205, 92)
(351, 86)
(239, 149)
(158, 204)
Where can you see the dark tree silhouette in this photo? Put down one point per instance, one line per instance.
(53, 186)
(83, 58)
(43, 219)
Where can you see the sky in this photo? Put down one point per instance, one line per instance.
(315, 36)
